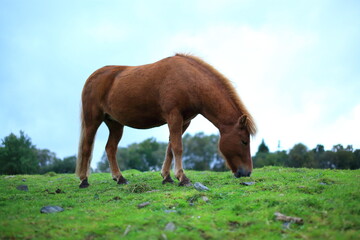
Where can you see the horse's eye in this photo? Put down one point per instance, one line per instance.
(244, 142)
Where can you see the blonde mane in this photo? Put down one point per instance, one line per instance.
(229, 88)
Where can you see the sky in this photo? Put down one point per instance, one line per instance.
(295, 64)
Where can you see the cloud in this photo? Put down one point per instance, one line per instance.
(258, 62)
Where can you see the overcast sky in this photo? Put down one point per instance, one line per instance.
(295, 64)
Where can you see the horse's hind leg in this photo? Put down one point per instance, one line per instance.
(165, 171)
(89, 126)
(115, 134)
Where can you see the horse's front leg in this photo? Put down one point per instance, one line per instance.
(165, 170)
(175, 123)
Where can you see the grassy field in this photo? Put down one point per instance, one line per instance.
(328, 201)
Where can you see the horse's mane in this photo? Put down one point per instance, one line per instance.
(229, 88)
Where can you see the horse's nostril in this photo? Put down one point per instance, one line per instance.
(242, 173)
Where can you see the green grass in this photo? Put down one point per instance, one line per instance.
(327, 200)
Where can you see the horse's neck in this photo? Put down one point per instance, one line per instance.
(220, 111)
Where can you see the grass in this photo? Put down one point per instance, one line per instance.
(328, 201)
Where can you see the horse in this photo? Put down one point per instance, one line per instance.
(171, 91)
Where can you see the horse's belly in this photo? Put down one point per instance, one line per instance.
(138, 117)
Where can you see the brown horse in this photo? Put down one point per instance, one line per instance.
(173, 91)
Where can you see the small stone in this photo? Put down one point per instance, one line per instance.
(205, 199)
(170, 227)
(24, 180)
(284, 218)
(22, 188)
(247, 183)
(51, 209)
(144, 204)
(200, 187)
(170, 211)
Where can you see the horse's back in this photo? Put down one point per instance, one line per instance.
(141, 96)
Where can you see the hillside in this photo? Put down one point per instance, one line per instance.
(327, 201)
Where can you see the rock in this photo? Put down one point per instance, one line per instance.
(205, 199)
(198, 186)
(170, 227)
(24, 180)
(170, 211)
(247, 183)
(51, 209)
(284, 218)
(144, 204)
(22, 188)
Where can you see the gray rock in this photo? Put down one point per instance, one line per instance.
(51, 209)
(22, 188)
(205, 199)
(170, 227)
(170, 211)
(198, 186)
(144, 204)
(247, 183)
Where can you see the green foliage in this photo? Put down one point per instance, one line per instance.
(18, 155)
(328, 201)
(144, 156)
(299, 156)
(263, 148)
(201, 152)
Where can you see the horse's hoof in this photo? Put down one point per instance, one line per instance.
(185, 183)
(168, 179)
(84, 183)
(122, 180)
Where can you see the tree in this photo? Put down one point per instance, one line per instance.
(201, 151)
(356, 163)
(144, 156)
(299, 157)
(67, 165)
(18, 155)
(263, 148)
(343, 156)
(46, 159)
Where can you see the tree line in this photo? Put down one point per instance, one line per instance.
(201, 153)
(339, 157)
(19, 156)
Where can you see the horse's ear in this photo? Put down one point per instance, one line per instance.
(242, 122)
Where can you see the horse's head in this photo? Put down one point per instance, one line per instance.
(234, 145)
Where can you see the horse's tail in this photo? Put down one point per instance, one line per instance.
(79, 165)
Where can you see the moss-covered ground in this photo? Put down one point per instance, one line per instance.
(328, 201)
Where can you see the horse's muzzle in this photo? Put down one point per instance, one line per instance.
(242, 173)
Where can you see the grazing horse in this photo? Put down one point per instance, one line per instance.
(171, 91)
